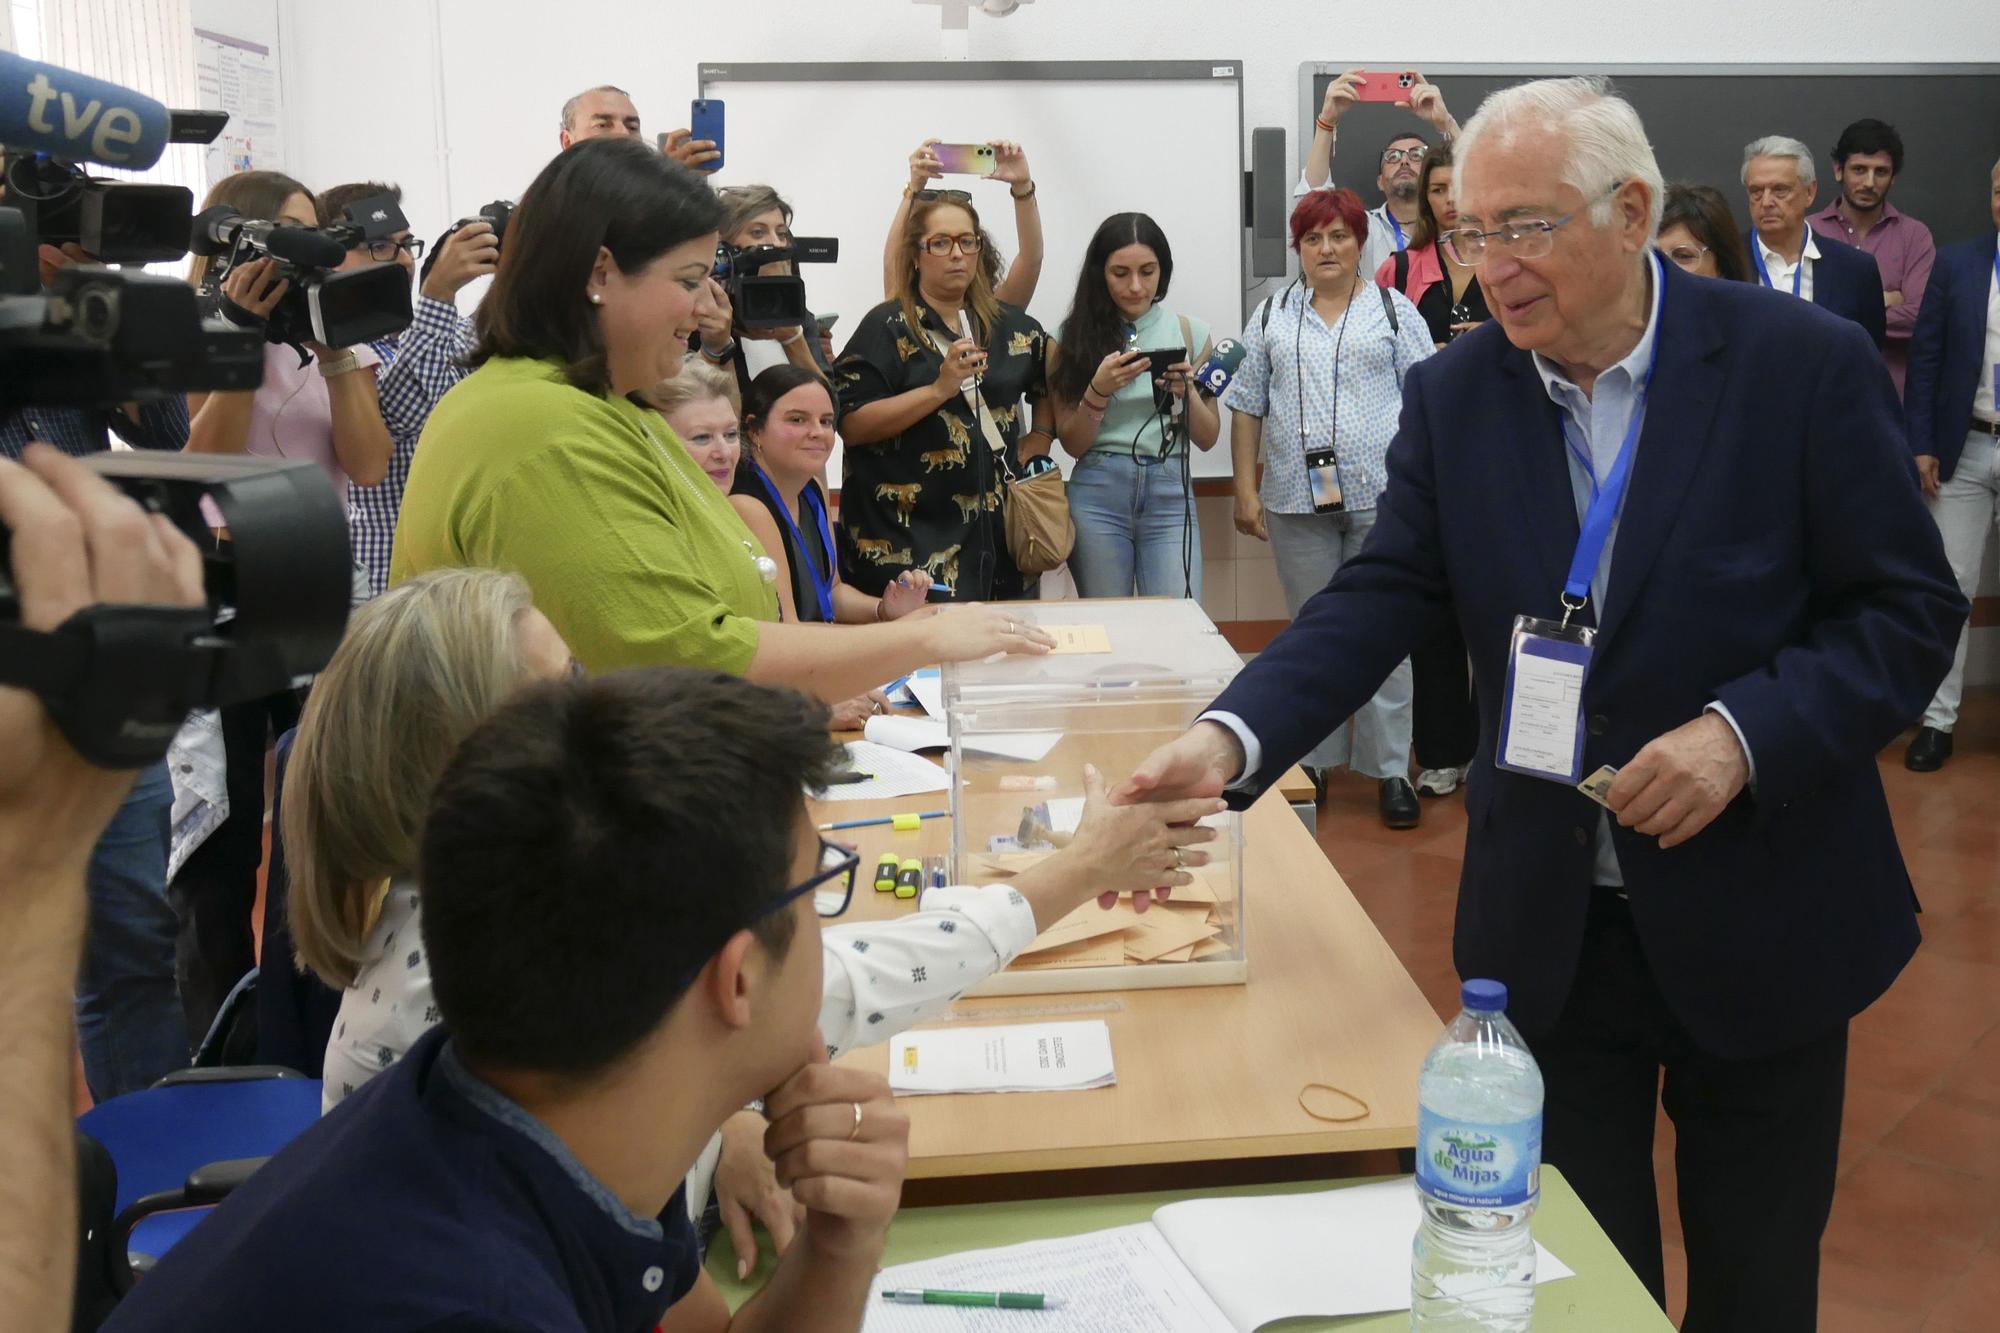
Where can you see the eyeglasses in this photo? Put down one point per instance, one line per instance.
(948, 196)
(1687, 256)
(941, 246)
(385, 250)
(1395, 155)
(837, 865)
(1523, 238)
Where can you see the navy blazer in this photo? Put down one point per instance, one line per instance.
(1773, 554)
(1948, 351)
(1846, 281)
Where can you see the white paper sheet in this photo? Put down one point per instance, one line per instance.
(1125, 1278)
(1041, 1057)
(928, 691)
(1341, 1252)
(891, 773)
(922, 733)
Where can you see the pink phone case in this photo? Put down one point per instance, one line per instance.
(1385, 86)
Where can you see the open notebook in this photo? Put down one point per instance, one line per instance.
(1204, 1266)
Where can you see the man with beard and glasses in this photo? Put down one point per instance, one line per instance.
(1866, 161)
(1401, 161)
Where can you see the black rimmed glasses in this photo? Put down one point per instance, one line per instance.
(1392, 156)
(832, 888)
(384, 250)
(941, 246)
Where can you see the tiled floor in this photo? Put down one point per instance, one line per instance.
(1914, 1243)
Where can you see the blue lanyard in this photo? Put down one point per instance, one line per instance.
(1764, 274)
(822, 582)
(1606, 500)
(1394, 226)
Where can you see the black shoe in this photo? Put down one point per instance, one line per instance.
(1399, 804)
(1318, 776)
(1928, 751)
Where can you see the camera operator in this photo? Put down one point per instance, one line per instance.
(74, 541)
(755, 215)
(127, 1004)
(418, 366)
(324, 409)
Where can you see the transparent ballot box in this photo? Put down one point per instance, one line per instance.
(1127, 676)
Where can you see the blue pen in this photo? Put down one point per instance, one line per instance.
(903, 822)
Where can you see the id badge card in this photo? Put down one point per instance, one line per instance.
(1323, 475)
(1541, 711)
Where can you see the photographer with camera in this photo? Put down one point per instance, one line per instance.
(419, 365)
(320, 406)
(130, 1027)
(755, 216)
(74, 541)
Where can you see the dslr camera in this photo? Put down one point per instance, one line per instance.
(495, 215)
(773, 301)
(337, 309)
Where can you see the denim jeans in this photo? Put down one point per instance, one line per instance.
(1134, 524)
(128, 1011)
(1309, 550)
(1967, 508)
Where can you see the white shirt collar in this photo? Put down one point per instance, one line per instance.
(1635, 362)
(1772, 259)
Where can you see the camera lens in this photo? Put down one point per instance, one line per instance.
(94, 312)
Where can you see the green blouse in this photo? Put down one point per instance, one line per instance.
(632, 552)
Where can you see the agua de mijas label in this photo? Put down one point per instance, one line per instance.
(1479, 1165)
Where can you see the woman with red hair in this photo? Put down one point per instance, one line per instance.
(1319, 393)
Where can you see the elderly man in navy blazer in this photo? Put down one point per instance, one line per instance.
(1788, 255)
(1955, 433)
(1768, 607)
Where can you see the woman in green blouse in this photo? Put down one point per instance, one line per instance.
(545, 461)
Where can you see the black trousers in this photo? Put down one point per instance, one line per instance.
(1444, 730)
(216, 889)
(1757, 1141)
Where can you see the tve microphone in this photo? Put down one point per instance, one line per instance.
(48, 109)
(1213, 375)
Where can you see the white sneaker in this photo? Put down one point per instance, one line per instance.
(1440, 781)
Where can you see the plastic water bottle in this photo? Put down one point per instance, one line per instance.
(1479, 1159)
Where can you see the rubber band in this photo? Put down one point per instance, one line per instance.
(1362, 1114)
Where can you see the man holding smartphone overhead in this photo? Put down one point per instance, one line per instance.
(1402, 160)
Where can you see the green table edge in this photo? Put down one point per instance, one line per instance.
(1604, 1294)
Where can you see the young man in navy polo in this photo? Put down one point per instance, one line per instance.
(617, 972)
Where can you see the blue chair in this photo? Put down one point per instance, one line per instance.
(181, 1145)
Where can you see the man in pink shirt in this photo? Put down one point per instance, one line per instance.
(1866, 162)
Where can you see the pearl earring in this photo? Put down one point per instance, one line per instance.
(597, 298)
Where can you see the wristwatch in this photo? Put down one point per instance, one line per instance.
(337, 365)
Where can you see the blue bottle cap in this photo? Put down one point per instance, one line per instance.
(1483, 996)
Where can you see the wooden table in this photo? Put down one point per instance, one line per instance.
(1604, 1294)
(1205, 1074)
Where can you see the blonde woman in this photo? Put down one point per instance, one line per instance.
(420, 667)
(922, 487)
(428, 661)
(704, 407)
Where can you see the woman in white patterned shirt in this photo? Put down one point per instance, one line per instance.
(1320, 391)
(424, 664)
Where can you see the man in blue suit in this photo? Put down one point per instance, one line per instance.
(1777, 609)
(1955, 432)
(1779, 176)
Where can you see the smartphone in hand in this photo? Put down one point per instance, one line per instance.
(1376, 86)
(966, 159)
(705, 119)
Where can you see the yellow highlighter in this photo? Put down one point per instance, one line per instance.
(885, 872)
(909, 878)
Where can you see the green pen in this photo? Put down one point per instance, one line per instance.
(994, 1300)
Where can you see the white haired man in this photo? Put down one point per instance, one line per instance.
(1779, 177)
(1779, 608)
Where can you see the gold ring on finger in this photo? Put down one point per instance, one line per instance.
(855, 1132)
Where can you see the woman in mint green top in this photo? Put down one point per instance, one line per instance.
(548, 462)
(1131, 494)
